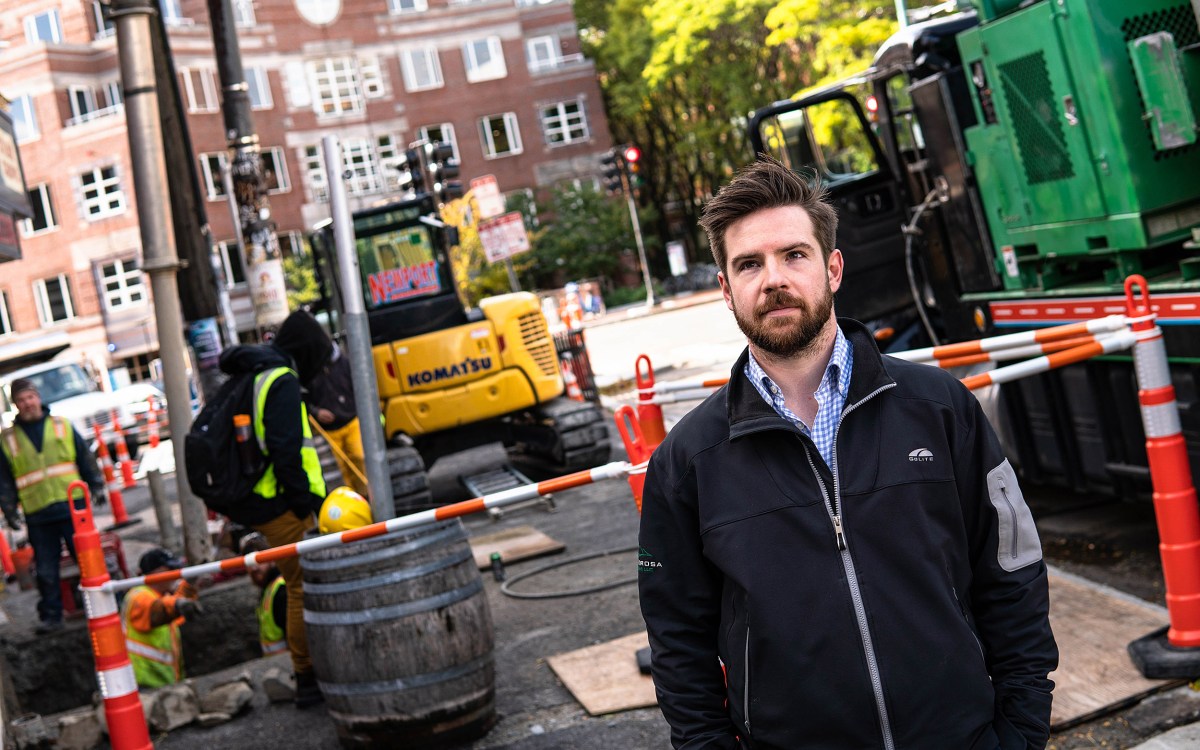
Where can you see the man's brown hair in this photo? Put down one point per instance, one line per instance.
(767, 183)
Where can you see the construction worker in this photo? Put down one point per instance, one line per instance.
(151, 615)
(282, 504)
(271, 609)
(40, 455)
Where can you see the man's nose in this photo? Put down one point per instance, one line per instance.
(774, 275)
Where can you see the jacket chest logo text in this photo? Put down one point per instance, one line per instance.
(646, 561)
(921, 454)
(458, 369)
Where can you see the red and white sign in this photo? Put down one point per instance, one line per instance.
(487, 196)
(503, 236)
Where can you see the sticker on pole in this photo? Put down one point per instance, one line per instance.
(503, 236)
(488, 199)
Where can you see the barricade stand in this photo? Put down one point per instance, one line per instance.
(121, 518)
(637, 448)
(649, 414)
(118, 687)
(1173, 651)
(123, 459)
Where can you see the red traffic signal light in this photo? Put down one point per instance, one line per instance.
(632, 154)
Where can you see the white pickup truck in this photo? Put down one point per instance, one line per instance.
(69, 391)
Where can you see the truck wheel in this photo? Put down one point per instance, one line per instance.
(562, 436)
(410, 481)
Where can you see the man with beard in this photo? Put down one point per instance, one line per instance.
(834, 553)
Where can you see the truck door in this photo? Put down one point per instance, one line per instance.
(828, 135)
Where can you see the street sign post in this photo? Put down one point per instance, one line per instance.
(487, 194)
(503, 237)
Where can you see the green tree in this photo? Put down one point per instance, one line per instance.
(584, 237)
(301, 281)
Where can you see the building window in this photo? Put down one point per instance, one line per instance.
(389, 150)
(564, 123)
(231, 262)
(83, 103)
(102, 194)
(43, 27)
(5, 321)
(314, 169)
(291, 244)
(259, 88)
(113, 95)
(440, 133)
(407, 6)
(484, 59)
(364, 163)
(212, 168)
(542, 53)
(43, 218)
(275, 174)
(421, 67)
(53, 298)
(200, 89)
(87, 106)
(500, 135)
(25, 125)
(361, 167)
(372, 78)
(243, 13)
(172, 13)
(336, 84)
(104, 24)
(140, 367)
(123, 284)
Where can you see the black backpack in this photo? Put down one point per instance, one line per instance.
(219, 472)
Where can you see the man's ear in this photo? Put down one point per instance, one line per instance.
(834, 267)
(725, 290)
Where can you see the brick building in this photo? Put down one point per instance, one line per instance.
(503, 80)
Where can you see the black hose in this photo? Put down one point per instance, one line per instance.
(909, 230)
(504, 587)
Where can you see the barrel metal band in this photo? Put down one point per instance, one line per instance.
(411, 682)
(97, 602)
(117, 682)
(451, 531)
(1161, 420)
(387, 579)
(394, 611)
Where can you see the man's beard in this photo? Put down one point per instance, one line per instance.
(785, 337)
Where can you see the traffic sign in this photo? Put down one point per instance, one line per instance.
(503, 236)
(487, 196)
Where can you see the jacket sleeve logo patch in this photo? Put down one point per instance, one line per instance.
(921, 454)
(646, 561)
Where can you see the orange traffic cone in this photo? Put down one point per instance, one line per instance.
(152, 422)
(572, 383)
(123, 459)
(120, 515)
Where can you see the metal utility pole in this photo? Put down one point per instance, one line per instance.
(261, 259)
(160, 260)
(637, 235)
(901, 14)
(358, 337)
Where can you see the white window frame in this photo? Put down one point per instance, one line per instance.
(511, 128)
(243, 14)
(25, 126)
(432, 66)
(43, 197)
(41, 296)
(109, 199)
(314, 172)
(224, 248)
(83, 102)
(489, 70)
(214, 182)
(130, 288)
(207, 78)
(336, 88)
(172, 13)
(5, 321)
(114, 97)
(555, 119)
(360, 166)
(446, 135)
(295, 240)
(282, 181)
(371, 77)
(401, 7)
(103, 30)
(257, 81)
(552, 57)
(33, 35)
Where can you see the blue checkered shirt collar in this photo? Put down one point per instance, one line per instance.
(830, 395)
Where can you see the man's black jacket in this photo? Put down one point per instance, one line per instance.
(929, 629)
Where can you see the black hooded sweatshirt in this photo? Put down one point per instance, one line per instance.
(282, 432)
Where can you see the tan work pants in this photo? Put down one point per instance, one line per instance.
(287, 529)
(348, 440)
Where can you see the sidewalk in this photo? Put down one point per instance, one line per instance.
(665, 304)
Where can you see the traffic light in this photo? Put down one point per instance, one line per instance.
(413, 171)
(443, 168)
(633, 160)
(610, 168)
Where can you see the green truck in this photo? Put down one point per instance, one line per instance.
(1038, 151)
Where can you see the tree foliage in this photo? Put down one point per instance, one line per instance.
(301, 281)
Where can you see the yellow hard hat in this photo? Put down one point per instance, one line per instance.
(343, 509)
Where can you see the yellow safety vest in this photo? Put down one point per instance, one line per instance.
(42, 477)
(270, 635)
(268, 486)
(157, 656)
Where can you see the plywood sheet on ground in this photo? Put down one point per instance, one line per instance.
(1093, 624)
(517, 543)
(604, 678)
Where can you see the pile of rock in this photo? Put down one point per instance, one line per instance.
(167, 709)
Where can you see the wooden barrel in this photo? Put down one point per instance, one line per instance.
(401, 639)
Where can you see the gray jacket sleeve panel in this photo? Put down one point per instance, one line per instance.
(1009, 599)
(681, 598)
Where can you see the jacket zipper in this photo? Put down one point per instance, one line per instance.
(746, 680)
(1012, 514)
(860, 611)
